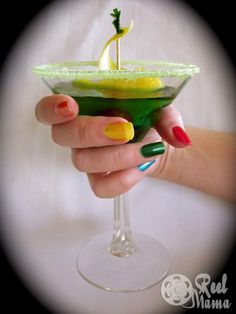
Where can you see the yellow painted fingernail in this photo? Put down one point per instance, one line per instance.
(121, 131)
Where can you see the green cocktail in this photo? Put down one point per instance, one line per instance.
(137, 92)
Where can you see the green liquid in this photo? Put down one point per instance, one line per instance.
(143, 113)
(143, 110)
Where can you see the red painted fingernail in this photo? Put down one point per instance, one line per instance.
(63, 109)
(181, 135)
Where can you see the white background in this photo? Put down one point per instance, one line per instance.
(49, 210)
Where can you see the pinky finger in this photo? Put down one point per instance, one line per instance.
(119, 182)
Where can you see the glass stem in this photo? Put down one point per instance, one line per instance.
(122, 244)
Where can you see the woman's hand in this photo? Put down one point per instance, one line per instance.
(97, 143)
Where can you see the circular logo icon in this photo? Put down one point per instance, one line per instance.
(176, 289)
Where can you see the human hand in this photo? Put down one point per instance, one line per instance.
(97, 143)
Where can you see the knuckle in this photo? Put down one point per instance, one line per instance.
(78, 160)
(121, 159)
(83, 132)
(117, 156)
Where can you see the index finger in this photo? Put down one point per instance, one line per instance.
(56, 109)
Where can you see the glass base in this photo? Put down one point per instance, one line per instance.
(145, 268)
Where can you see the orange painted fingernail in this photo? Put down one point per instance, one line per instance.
(63, 109)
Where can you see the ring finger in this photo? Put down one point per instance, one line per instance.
(114, 158)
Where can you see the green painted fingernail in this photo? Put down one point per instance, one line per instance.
(153, 149)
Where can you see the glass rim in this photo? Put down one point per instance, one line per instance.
(74, 70)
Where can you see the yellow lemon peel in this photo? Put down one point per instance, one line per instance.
(138, 84)
(105, 62)
(118, 87)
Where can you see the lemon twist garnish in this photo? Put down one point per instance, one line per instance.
(118, 87)
(105, 62)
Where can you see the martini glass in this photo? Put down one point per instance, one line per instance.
(122, 261)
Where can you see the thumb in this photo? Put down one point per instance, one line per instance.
(171, 128)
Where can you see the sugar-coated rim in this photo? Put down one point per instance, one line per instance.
(74, 70)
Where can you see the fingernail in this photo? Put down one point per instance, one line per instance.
(146, 165)
(122, 131)
(63, 109)
(181, 135)
(152, 149)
